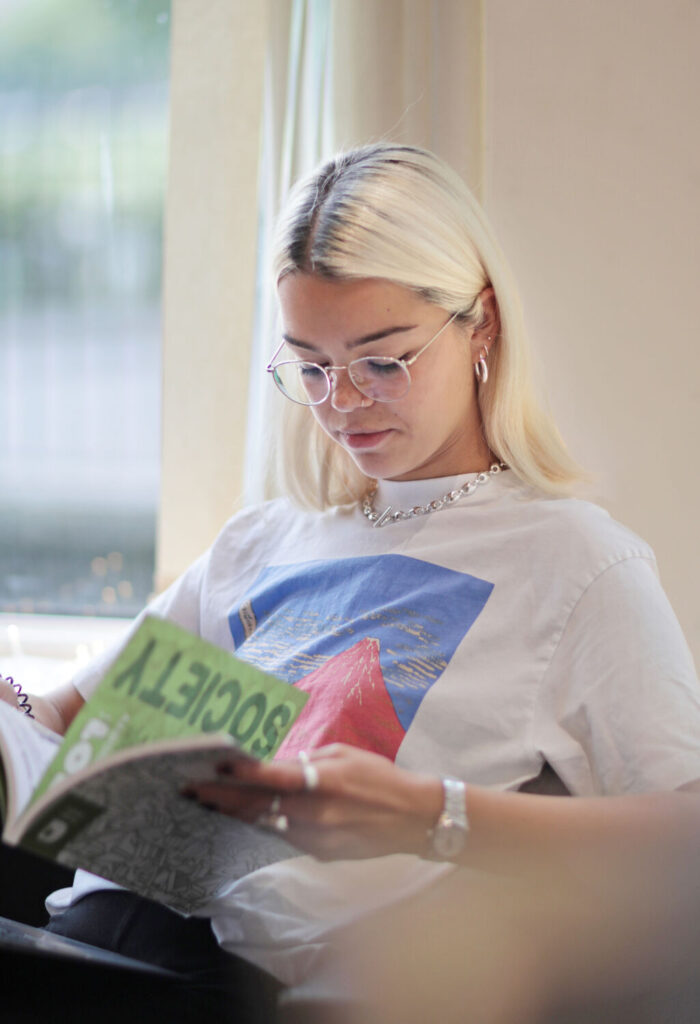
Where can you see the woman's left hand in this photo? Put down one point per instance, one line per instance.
(336, 802)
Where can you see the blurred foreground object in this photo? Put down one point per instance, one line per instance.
(610, 939)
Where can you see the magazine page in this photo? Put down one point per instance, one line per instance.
(27, 749)
(168, 683)
(127, 822)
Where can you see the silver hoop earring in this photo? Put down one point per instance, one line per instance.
(481, 370)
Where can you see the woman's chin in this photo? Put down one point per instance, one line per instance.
(376, 465)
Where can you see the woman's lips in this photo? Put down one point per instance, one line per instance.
(364, 439)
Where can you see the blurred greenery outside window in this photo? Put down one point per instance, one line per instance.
(83, 157)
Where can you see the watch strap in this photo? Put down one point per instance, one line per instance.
(449, 836)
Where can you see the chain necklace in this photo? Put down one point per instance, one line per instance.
(449, 498)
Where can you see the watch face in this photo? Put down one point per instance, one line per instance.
(448, 839)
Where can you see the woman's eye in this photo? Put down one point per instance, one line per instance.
(382, 368)
(310, 370)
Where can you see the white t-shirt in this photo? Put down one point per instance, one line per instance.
(480, 641)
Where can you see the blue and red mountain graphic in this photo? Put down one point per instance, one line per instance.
(367, 637)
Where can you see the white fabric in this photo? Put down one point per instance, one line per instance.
(573, 656)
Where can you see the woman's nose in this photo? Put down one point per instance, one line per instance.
(344, 395)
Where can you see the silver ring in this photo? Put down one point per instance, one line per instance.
(310, 771)
(272, 817)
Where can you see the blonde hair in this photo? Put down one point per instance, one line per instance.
(399, 213)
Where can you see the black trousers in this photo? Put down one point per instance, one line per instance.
(215, 985)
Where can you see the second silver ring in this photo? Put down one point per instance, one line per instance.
(310, 771)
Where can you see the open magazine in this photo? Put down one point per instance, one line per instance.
(106, 797)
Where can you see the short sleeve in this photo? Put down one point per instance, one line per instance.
(619, 706)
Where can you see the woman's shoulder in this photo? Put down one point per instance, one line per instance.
(256, 519)
(260, 511)
(576, 527)
(265, 522)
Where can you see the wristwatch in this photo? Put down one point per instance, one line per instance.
(449, 836)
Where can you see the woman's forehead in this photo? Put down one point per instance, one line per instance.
(314, 308)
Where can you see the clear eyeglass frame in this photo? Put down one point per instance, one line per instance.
(381, 378)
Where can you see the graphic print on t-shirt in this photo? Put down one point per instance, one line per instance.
(365, 637)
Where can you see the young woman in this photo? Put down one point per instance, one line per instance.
(458, 620)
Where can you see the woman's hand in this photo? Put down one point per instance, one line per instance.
(349, 803)
(56, 710)
(361, 804)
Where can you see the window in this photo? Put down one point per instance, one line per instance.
(83, 153)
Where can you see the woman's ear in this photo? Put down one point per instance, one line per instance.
(488, 330)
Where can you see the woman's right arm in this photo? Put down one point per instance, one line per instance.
(56, 710)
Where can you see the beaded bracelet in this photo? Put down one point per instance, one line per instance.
(22, 699)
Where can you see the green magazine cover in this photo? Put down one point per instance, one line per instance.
(107, 799)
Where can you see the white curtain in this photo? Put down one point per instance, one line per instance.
(340, 73)
(295, 137)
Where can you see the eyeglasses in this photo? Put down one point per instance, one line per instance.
(381, 378)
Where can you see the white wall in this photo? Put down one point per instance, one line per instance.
(592, 178)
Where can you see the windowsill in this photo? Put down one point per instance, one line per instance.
(43, 651)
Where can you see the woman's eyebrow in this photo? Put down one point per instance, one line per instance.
(364, 340)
